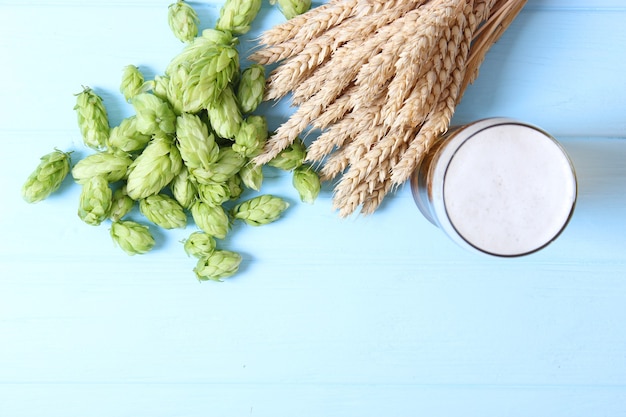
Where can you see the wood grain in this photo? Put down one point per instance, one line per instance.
(371, 316)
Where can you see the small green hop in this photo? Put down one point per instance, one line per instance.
(196, 145)
(122, 204)
(307, 182)
(153, 115)
(210, 219)
(228, 164)
(183, 20)
(237, 15)
(291, 157)
(260, 210)
(251, 137)
(292, 8)
(132, 237)
(126, 138)
(251, 88)
(163, 211)
(154, 169)
(220, 264)
(235, 187)
(252, 176)
(96, 199)
(93, 120)
(112, 166)
(199, 245)
(209, 75)
(133, 82)
(184, 188)
(214, 193)
(47, 177)
(225, 115)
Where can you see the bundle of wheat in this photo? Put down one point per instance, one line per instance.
(380, 79)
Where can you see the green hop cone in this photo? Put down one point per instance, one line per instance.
(251, 88)
(183, 20)
(133, 82)
(260, 124)
(93, 120)
(201, 46)
(224, 114)
(292, 8)
(121, 205)
(251, 137)
(95, 202)
(47, 177)
(153, 115)
(184, 189)
(235, 187)
(237, 15)
(132, 237)
(228, 164)
(155, 168)
(307, 182)
(160, 86)
(252, 176)
(210, 219)
(112, 166)
(219, 37)
(260, 210)
(220, 264)
(290, 158)
(199, 245)
(126, 138)
(174, 88)
(208, 76)
(214, 193)
(163, 211)
(196, 145)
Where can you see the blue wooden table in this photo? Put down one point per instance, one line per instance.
(366, 316)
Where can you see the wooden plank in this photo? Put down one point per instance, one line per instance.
(364, 316)
(224, 400)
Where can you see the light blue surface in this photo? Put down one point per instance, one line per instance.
(374, 316)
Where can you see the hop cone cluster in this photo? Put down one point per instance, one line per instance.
(186, 151)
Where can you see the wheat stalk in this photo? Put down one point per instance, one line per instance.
(382, 79)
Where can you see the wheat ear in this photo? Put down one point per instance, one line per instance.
(427, 89)
(348, 59)
(293, 74)
(310, 24)
(500, 18)
(438, 121)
